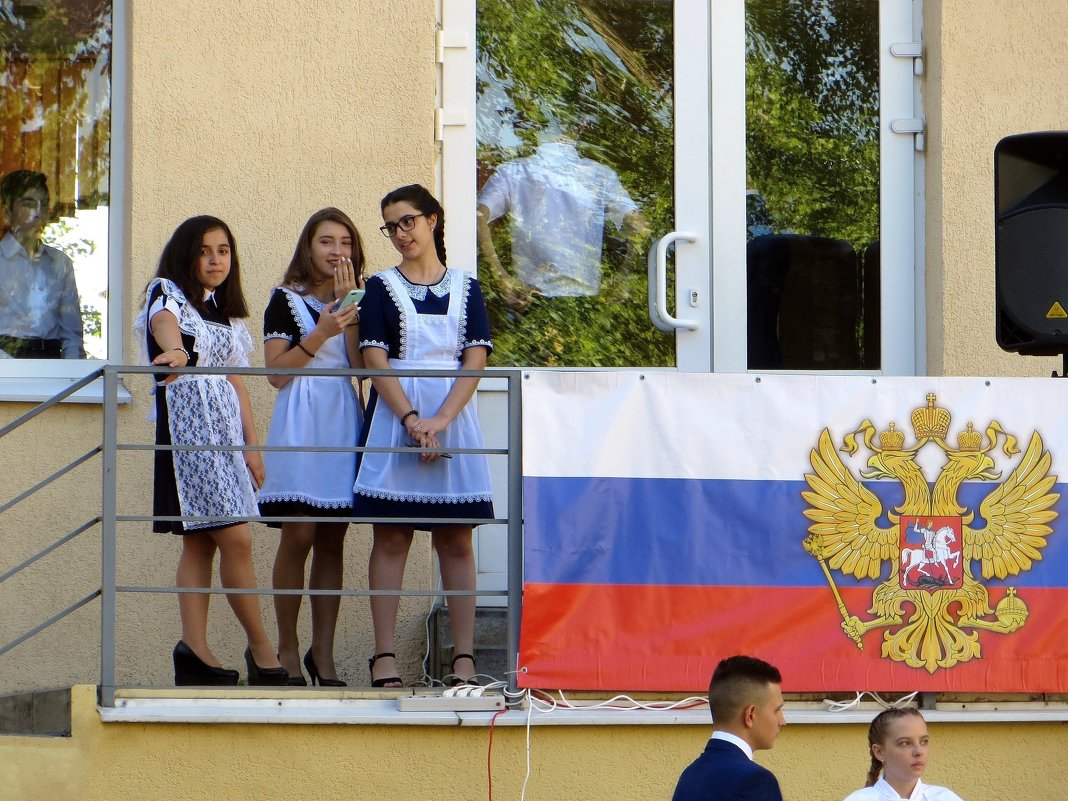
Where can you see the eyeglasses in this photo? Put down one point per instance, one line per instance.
(405, 223)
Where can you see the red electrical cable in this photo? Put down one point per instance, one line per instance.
(489, 753)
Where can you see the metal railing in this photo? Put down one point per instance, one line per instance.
(109, 516)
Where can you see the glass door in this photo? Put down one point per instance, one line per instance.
(687, 185)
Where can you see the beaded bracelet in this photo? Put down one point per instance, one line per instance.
(408, 414)
(301, 346)
(183, 350)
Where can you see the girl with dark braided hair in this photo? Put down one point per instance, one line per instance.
(899, 748)
(421, 315)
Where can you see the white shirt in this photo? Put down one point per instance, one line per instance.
(558, 203)
(882, 791)
(738, 741)
(38, 296)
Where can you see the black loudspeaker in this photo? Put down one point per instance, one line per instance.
(1031, 242)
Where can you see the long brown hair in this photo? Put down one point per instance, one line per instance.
(419, 196)
(300, 270)
(877, 733)
(178, 263)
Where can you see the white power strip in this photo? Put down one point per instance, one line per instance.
(440, 703)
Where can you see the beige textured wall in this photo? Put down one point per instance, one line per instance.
(994, 68)
(261, 113)
(239, 762)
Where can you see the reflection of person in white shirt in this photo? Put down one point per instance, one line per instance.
(558, 202)
(40, 314)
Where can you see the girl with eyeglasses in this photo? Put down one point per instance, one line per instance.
(304, 326)
(422, 315)
(899, 747)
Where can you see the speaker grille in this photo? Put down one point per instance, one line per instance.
(1031, 269)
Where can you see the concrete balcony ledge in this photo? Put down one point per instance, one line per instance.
(428, 708)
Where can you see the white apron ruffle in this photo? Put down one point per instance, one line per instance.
(318, 411)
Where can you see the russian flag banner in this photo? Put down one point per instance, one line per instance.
(883, 534)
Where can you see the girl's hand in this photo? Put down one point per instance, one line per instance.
(175, 357)
(345, 278)
(332, 323)
(254, 460)
(425, 431)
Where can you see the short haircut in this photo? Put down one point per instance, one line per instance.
(18, 183)
(738, 682)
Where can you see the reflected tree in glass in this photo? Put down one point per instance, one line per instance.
(55, 118)
(596, 76)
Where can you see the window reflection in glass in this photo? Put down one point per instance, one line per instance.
(55, 110)
(812, 164)
(574, 159)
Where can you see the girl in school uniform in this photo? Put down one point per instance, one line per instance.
(191, 318)
(422, 315)
(303, 327)
(899, 748)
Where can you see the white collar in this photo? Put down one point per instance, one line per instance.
(735, 740)
(209, 294)
(886, 791)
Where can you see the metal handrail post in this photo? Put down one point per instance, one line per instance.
(107, 539)
(515, 523)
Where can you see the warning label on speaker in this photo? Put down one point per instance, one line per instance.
(1056, 312)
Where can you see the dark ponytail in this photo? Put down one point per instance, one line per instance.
(419, 197)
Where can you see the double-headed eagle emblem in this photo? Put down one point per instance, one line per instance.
(931, 617)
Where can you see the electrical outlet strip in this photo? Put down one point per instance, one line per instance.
(439, 703)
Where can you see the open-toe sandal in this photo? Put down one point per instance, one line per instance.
(455, 681)
(388, 680)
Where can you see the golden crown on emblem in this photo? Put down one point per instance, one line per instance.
(930, 421)
(892, 440)
(970, 440)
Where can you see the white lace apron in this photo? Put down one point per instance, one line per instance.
(430, 342)
(319, 412)
(204, 410)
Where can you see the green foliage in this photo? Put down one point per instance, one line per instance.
(602, 71)
(812, 115)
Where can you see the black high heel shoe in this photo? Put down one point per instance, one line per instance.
(191, 670)
(265, 677)
(313, 671)
(388, 679)
(297, 680)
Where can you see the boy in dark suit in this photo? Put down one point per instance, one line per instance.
(745, 697)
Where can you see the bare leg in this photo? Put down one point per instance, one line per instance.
(389, 554)
(457, 560)
(293, 548)
(328, 562)
(235, 567)
(194, 570)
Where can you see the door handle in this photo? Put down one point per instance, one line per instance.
(657, 265)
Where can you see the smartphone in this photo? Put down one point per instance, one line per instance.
(354, 296)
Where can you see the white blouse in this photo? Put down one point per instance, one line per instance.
(882, 791)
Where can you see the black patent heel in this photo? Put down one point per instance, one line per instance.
(191, 670)
(265, 677)
(313, 671)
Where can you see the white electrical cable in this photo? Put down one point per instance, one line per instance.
(844, 706)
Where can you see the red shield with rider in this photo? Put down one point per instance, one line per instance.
(931, 557)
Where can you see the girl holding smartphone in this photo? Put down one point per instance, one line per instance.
(306, 325)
